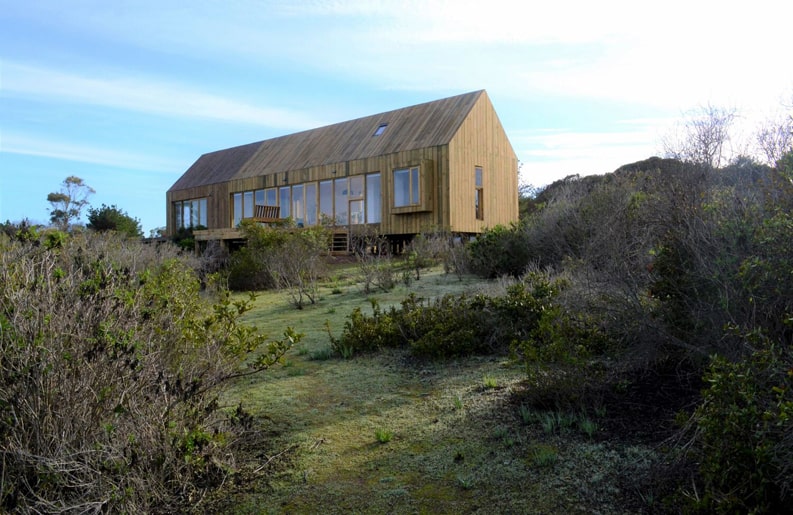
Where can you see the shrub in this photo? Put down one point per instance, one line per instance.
(111, 218)
(744, 424)
(500, 251)
(281, 257)
(110, 368)
(365, 333)
(446, 327)
(376, 270)
(427, 249)
(454, 325)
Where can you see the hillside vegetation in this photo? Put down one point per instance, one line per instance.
(626, 347)
(631, 352)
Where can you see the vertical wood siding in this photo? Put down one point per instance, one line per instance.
(474, 137)
(481, 141)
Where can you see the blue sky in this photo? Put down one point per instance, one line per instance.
(128, 94)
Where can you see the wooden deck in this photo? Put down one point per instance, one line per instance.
(218, 234)
(340, 239)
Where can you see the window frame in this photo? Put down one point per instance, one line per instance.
(380, 129)
(190, 213)
(414, 190)
(373, 198)
(479, 193)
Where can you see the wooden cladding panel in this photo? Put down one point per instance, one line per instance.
(219, 195)
(481, 141)
(447, 138)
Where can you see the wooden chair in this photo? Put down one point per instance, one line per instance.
(266, 214)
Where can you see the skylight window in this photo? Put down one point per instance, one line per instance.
(380, 129)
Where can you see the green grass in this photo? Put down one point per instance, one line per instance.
(318, 416)
(543, 455)
(383, 435)
(489, 382)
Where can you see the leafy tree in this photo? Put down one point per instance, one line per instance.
(111, 218)
(68, 203)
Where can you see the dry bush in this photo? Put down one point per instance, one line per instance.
(427, 249)
(456, 258)
(110, 364)
(376, 269)
(299, 262)
(282, 257)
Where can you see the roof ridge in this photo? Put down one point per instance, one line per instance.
(425, 124)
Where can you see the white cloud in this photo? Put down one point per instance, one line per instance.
(142, 95)
(36, 146)
(673, 54)
(552, 154)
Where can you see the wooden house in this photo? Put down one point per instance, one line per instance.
(444, 164)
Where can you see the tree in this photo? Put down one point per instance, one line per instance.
(702, 138)
(775, 138)
(111, 218)
(68, 203)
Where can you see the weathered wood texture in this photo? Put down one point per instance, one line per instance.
(266, 214)
(481, 141)
(446, 138)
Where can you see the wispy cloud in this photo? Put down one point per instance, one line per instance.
(143, 95)
(553, 153)
(672, 55)
(68, 151)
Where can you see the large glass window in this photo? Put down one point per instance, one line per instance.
(373, 198)
(298, 205)
(190, 213)
(311, 203)
(406, 187)
(247, 204)
(326, 199)
(347, 200)
(341, 194)
(196, 213)
(236, 209)
(479, 194)
(356, 186)
(356, 212)
(270, 197)
(284, 201)
(187, 213)
(177, 213)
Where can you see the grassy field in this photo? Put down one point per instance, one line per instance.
(387, 433)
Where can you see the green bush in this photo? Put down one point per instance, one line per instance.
(744, 427)
(500, 251)
(449, 326)
(111, 218)
(465, 325)
(282, 257)
(364, 333)
(111, 363)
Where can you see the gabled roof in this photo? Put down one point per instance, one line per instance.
(423, 125)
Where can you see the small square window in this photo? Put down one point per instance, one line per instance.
(380, 129)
